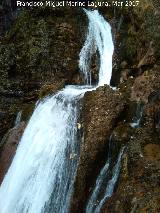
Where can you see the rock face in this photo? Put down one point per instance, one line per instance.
(101, 110)
(136, 72)
(10, 142)
(138, 190)
(136, 36)
(32, 55)
(145, 84)
(8, 13)
(39, 55)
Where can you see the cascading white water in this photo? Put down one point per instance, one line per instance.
(98, 38)
(40, 178)
(94, 205)
(138, 115)
(18, 118)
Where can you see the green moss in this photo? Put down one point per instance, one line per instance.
(46, 90)
(131, 48)
(20, 25)
(50, 89)
(148, 13)
(27, 111)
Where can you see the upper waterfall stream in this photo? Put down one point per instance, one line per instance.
(40, 178)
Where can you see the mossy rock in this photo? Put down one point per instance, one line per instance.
(122, 134)
(50, 89)
(27, 111)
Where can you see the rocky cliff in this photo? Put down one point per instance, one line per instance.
(39, 55)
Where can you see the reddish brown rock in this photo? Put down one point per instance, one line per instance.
(101, 110)
(9, 145)
(145, 84)
(152, 152)
(149, 58)
(138, 187)
(142, 88)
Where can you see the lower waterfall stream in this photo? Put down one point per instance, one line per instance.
(40, 178)
(98, 197)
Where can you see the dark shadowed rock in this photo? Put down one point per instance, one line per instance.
(8, 147)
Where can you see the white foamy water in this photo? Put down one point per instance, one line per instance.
(40, 178)
(138, 116)
(18, 118)
(98, 198)
(99, 38)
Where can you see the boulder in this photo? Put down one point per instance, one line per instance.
(101, 111)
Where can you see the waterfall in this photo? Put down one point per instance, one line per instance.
(18, 118)
(98, 38)
(138, 116)
(40, 178)
(103, 187)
